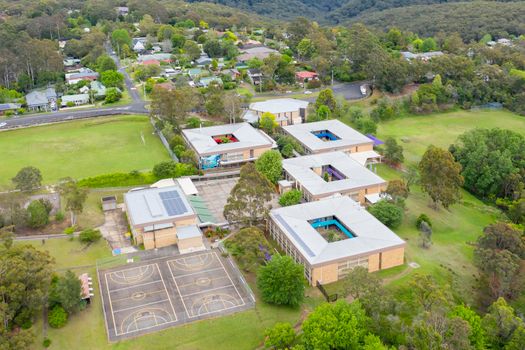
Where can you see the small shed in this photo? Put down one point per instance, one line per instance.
(189, 239)
(284, 186)
(109, 203)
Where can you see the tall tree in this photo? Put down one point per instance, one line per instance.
(74, 195)
(28, 179)
(281, 281)
(66, 292)
(393, 151)
(270, 164)
(440, 176)
(249, 199)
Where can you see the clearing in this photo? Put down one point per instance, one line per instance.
(81, 148)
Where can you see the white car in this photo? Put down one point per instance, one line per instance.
(307, 92)
(2, 125)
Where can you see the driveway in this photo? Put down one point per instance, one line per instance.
(115, 228)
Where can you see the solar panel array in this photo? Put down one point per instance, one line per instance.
(173, 203)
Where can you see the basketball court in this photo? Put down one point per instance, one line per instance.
(143, 297)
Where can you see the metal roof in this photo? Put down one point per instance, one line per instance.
(156, 205)
(201, 139)
(279, 105)
(370, 234)
(190, 231)
(357, 176)
(348, 137)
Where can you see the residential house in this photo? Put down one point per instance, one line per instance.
(332, 236)
(122, 10)
(260, 52)
(81, 74)
(424, 56)
(77, 100)
(229, 145)
(42, 100)
(254, 75)
(9, 107)
(287, 111)
(233, 73)
(202, 61)
(195, 73)
(206, 81)
(305, 76)
(161, 57)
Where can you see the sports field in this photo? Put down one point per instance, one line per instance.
(81, 148)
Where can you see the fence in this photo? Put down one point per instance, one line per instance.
(329, 297)
(225, 253)
(164, 141)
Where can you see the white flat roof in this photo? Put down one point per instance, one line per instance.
(357, 176)
(348, 137)
(149, 206)
(190, 231)
(187, 186)
(370, 234)
(363, 157)
(202, 140)
(279, 105)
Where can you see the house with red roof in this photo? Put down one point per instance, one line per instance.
(303, 76)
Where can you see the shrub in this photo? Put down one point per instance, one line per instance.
(247, 247)
(46, 343)
(291, 197)
(171, 169)
(57, 317)
(70, 104)
(118, 179)
(420, 219)
(313, 84)
(388, 213)
(280, 336)
(38, 214)
(69, 230)
(89, 236)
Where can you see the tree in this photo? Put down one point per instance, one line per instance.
(393, 151)
(119, 38)
(28, 179)
(112, 95)
(246, 247)
(429, 44)
(270, 164)
(105, 63)
(336, 326)
(291, 197)
(232, 106)
(178, 40)
(280, 336)
(360, 284)
(326, 97)
(57, 317)
(323, 113)
(192, 49)
(89, 236)
(173, 105)
(25, 277)
(388, 213)
(38, 214)
(267, 122)
(171, 169)
(306, 49)
(249, 199)
(440, 176)
(500, 323)
(425, 234)
(112, 78)
(373, 342)
(502, 236)
(281, 281)
(477, 333)
(397, 189)
(74, 195)
(427, 294)
(66, 292)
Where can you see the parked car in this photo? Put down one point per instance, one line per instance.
(307, 92)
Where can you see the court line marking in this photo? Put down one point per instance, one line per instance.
(206, 291)
(111, 306)
(131, 268)
(147, 294)
(238, 294)
(141, 305)
(211, 280)
(178, 290)
(137, 330)
(213, 312)
(136, 285)
(167, 293)
(195, 273)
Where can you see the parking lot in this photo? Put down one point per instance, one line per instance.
(151, 295)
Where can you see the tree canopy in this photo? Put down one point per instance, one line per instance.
(281, 281)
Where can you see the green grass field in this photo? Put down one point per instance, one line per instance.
(442, 129)
(81, 148)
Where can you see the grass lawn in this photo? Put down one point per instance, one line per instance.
(92, 215)
(86, 330)
(81, 148)
(442, 129)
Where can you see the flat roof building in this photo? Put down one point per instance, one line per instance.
(287, 111)
(162, 216)
(328, 136)
(323, 175)
(227, 145)
(331, 237)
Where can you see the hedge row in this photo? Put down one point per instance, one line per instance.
(118, 180)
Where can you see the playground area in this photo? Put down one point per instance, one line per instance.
(148, 296)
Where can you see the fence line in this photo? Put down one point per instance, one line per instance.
(224, 251)
(164, 141)
(328, 297)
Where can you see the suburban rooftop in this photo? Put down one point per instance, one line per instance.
(347, 136)
(370, 234)
(279, 105)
